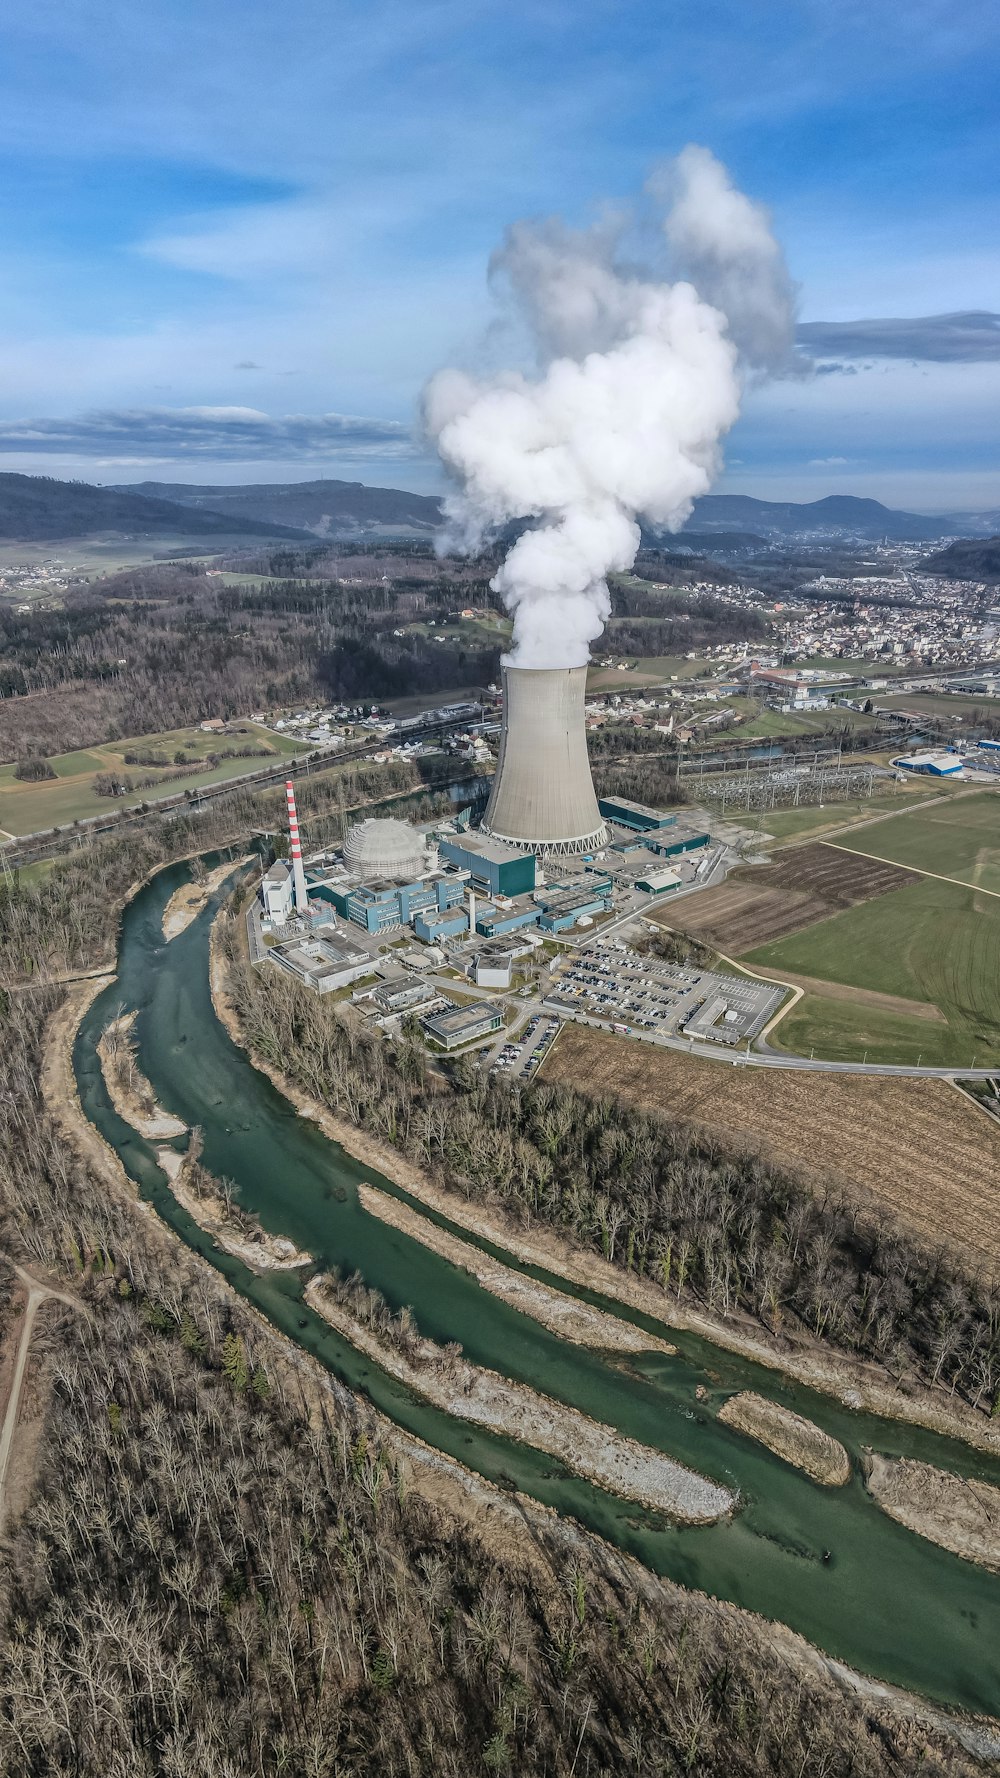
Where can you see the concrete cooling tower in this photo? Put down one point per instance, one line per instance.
(543, 794)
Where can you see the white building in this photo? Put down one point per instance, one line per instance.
(278, 892)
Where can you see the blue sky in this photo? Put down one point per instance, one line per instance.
(287, 210)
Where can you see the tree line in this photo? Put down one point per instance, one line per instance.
(664, 1200)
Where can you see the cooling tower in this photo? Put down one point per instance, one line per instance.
(543, 794)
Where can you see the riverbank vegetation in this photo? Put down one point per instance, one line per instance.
(661, 1199)
(229, 1566)
(959, 1513)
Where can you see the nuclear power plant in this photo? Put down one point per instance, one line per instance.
(543, 795)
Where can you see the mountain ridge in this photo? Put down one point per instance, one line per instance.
(40, 509)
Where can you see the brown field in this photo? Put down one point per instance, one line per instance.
(760, 903)
(917, 1148)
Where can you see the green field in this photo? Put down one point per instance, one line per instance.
(70, 796)
(931, 942)
(791, 824)
(956, 838)
(958, 705)
(773, 723)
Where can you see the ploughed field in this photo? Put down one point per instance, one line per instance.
(759, 904)
(918, 1147)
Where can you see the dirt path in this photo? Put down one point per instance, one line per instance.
(38, 1293)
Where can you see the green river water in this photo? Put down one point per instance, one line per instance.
(826, 1561)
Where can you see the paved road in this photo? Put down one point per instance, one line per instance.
(775, 1059)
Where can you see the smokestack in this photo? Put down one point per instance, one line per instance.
(298, 874)
(543, 796)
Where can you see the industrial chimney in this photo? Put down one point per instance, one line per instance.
(543, 796)
(295, 847)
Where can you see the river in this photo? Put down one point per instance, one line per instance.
(827, 1562)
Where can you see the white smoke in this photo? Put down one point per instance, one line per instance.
(638, 383)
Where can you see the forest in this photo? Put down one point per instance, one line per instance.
(160, 647)
(229, 1567)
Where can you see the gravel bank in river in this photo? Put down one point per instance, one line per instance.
(563, 1315)
(957, 1513)
(128, 1089)
(187, 901)
(585, 1446)
(789, 1436)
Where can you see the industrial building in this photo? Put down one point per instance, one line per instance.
(933, 764)
(493, 867)
(432, 927)
(278, 893)
(380, 906)
(389, 850)
(463, 1024)
(325, 961)
(635, 816)
(543, 797)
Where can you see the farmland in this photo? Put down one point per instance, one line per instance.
(932, 942)
(760, 904)
(959, 838)
(890, 797)
(28, 807)
(918, 1148)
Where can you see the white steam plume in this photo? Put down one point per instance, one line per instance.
(638, 383)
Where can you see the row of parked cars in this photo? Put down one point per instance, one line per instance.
(535, 1041)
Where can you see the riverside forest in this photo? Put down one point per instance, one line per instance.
(228, 1553)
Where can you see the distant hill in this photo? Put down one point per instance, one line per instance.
(840, 515)
(326, 508)
(970, 559)
(35, 509)
(338, 509)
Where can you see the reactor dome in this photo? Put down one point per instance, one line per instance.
(385, 849)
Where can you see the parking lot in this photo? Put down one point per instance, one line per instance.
(520, 1058)
(636, 995)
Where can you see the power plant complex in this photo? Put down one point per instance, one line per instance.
(396, 912)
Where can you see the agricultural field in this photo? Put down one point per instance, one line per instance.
(658, 669)
(959, 837)
(934, 943)
(29, 807)
(964, 707)
(759, 904)
(917, 1148)
(775, 723)
(788, 825)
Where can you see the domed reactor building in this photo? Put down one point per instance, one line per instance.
(543, 796)
(388, 850)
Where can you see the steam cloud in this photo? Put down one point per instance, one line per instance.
(639, 380)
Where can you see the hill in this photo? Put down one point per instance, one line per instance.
(36, 508)
(970, 559)
(327, 508)
(840, 515)
(730, 522)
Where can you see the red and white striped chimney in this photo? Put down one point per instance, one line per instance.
(298, 874)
